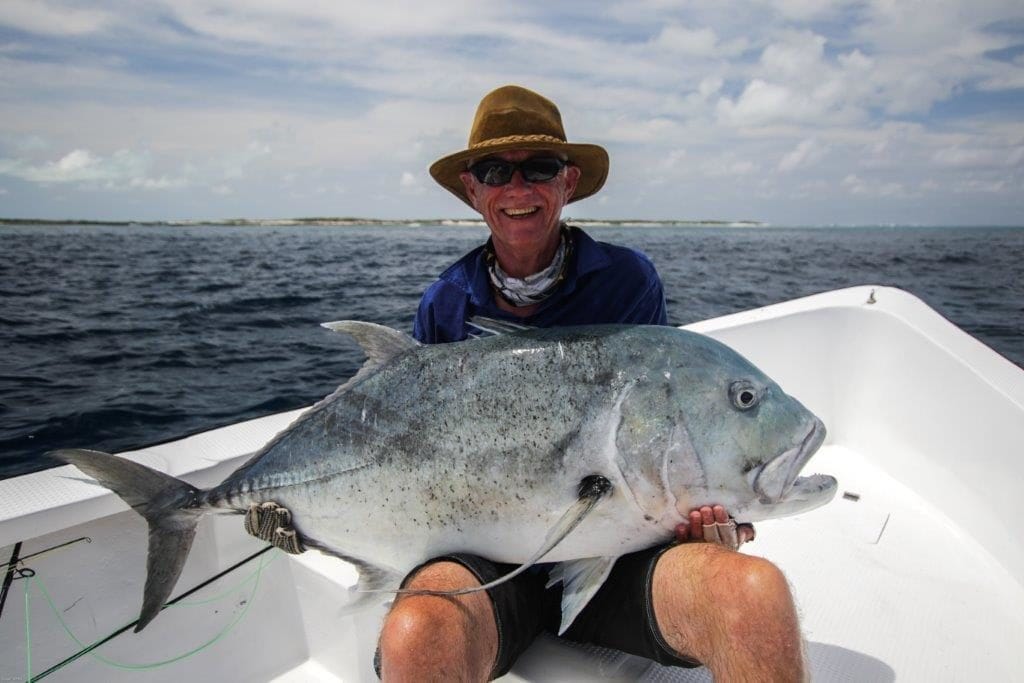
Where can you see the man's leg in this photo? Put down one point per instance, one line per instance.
(432, 638)
(732, 612)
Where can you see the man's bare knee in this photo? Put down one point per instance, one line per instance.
(417, 626)
(747, 582)
(709, 600)
(429, 635)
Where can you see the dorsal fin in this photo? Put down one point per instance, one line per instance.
(379, 343)
(495, 326)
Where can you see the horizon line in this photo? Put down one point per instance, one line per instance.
(356, 220)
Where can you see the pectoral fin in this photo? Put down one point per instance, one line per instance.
(580, 580)
(372, 578)
(592, 489)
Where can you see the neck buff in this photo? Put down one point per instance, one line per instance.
(535, 288)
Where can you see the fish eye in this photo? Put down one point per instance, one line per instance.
(744, 395)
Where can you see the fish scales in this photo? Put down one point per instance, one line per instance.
(459, 445)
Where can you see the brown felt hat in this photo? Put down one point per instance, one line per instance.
(512, 117)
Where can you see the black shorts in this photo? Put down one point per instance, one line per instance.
(619, 616)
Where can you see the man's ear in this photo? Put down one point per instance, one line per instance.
(467, 182)
(572, 178)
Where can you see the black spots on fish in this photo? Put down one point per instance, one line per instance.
(604, 378)
(648, 518)
(561, 446)
(569, 337)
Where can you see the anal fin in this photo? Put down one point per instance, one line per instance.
(580, 580)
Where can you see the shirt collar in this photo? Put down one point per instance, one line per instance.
(470, 272)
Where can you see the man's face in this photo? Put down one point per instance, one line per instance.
(522, 216)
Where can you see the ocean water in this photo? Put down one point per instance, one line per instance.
(118, 337)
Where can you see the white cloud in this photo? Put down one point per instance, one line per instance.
(763, 103)
(872, 188)
(674, 158)
(640, 130)
(806, 10)
(807, 153)
(234, 96)
(161, 183)
(696, 42)
(974, 185)
(411, 183)
(717, 168)
(37, 16)
(687, 41)
(794, 81)
(710, 86)
(973, 157)
(75, 166)
(797, 58)
(122, 169)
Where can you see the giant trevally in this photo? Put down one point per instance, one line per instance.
(573, 445)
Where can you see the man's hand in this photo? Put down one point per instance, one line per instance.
(713, 525)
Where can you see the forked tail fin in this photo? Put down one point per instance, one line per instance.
(170, 507)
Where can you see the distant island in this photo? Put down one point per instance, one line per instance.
(408, 222)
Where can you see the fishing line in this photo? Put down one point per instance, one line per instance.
(15, 566)
(9, 576)
(28, 637)
(15, 560)
(88, 649)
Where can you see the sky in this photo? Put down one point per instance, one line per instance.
(792, 112)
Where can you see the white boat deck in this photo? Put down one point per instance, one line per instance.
(915, 575)
(887, 587)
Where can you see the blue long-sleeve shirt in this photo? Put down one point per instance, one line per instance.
(605, 283)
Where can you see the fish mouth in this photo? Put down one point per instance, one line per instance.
(777, 481)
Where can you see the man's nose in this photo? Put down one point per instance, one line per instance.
(517, 181)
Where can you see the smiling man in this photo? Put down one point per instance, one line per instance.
(685, 604)
(518, 173)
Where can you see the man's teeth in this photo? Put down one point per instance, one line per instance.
(520, 212)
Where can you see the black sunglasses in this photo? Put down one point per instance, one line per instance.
(496, 172)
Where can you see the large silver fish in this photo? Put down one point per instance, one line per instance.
(573, 444)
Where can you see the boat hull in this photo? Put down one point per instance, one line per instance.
(891, 579)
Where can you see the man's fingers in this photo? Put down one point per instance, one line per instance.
(721, 516)
(696, 526)
(713, 524)
(712, 529)
(707, 515)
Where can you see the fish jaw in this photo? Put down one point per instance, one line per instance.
(778, 485)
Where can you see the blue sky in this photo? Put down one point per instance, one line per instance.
(791, 112)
